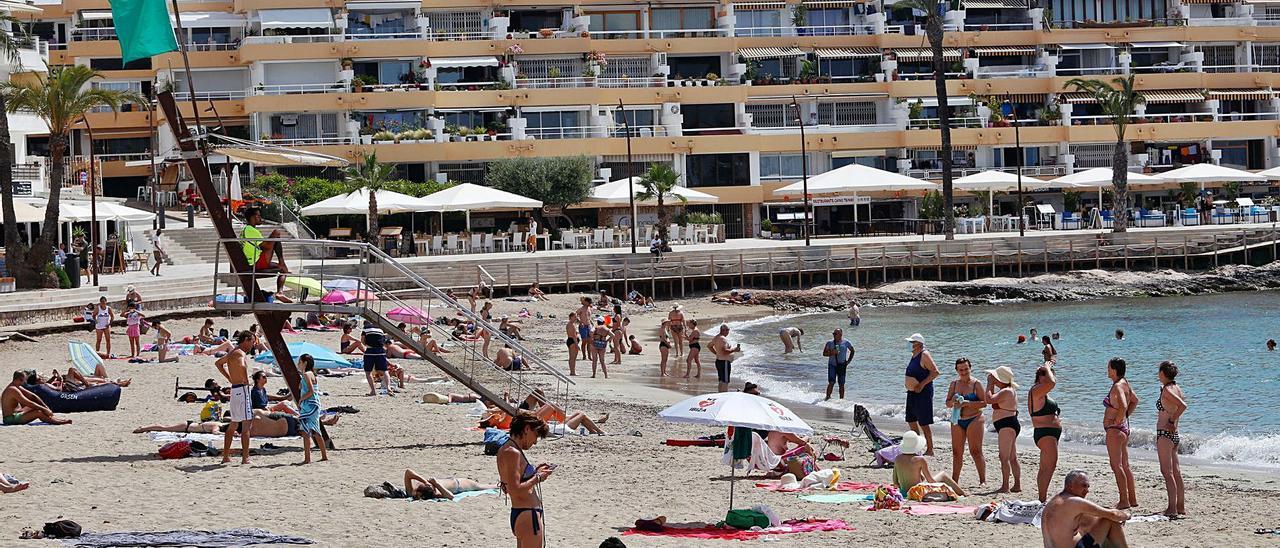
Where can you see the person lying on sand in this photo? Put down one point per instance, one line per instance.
(265, 425)
(420, 488)
(549, 412)
(537, 293)
(1071, 520)
(8, 485)
(19, 406)
(438, 398)
(425, 339)
(74, 381)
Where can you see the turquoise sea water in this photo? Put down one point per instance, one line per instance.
(1218, 341)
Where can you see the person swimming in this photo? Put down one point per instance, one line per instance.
(1119, 334)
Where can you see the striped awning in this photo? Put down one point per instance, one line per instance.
(846, 53)
(827, 4)
(760, 6)
(939, 147)
(769, 52)
(994, 4)
(1206, 1)
(1239, 94)
(999, 51)
(1025, 98)
(1173, 96)
(925, 54)
(1077, 98)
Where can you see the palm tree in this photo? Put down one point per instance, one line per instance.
(15, 249)
(61, 99)
(933, 31)
(659, 183)
(367, 173)
(1117, 101)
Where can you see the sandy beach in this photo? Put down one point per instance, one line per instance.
(99, 474)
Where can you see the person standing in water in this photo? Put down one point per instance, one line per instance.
(966, 398)
(1047, 426)
(695, 350)
(855, 314)
(719, 347)
(839, 353)
(1169, 408)
(921, 371)
(232, 367)
(790, 339)
(1119, 403)
(1049, 352)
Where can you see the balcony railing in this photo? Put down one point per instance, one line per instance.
(1140, 23)
(293, 89)
(293, 39)
(643, 82)
(982, 27)
(1012, 71)
(816, 30)
(405, 35)
(1239, 116)
(1167, 67)
(213, 46)
(1230, 68)
(1267, 19)
(901, 29)
(1027, 171)
(956, 122)
(93, 34)
(688, 33)
(210, 95)
(304, 141)
(927, 75)
(121, 156)
(449, 36)
(590, 81)
(1220, 22)
(1099, 120)
(1081, 71)
(827, 128)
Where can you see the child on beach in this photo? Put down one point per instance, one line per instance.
(133, 320)
(232, 367)
(309, 409)
(103, 315)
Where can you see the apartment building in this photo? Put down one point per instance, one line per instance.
(717, 89)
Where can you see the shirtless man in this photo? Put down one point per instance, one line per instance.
(1070, 520)
(584, 327)
(790, 339)
(910, 468)
(572, 341)
(207, 335)
(508, 360)
(232, 367)
(19, 406)
(719, 346)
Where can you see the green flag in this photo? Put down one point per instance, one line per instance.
(143, 28)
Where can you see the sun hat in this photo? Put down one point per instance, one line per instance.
(788, 481)
(129, 288)
(912, 443)
(1004, 375)
(916, 338)
(677, 306)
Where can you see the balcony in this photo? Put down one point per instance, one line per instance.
(587, 132)
(814, 30)
(1172, 118)
(1044, 171)
(590, 81)
(956, 122)
(1013, 71)
(210, 95)
(1244, 21)
(293, 39)
(984, 27)
(93, 34)
(307, 141)
(295, 89)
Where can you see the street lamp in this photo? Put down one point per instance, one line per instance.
(1010, 113)
(804, 169)
(93, 205)
(631, 176)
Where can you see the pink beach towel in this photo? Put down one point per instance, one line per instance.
(930, 509)
(729, 533)
(842, 486)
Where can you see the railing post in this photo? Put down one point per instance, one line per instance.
(682, 276)
(1186, 254)
(566, 277)
(771, 271)
(911, 261)
(937, 257)
(597, 276)
(855, 267)
(535, 277)
(1097, 253)
(1071, 254)
(1019, 258)
(1155, 251)
(653, 279)
(711, 269)
(966, 261)
(828, 266)
(1126, 256)
(993, 259)
(1244, 242)
(884, 265)
(1215, 251)
(742, 272)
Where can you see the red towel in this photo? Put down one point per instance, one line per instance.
(842, 486)
(729, 533)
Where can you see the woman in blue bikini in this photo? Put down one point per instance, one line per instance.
(520, 480)
(967, 394)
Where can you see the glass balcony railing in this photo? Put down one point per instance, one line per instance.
(815, 30)
(93, 34)
(292, 89)
(304, 141)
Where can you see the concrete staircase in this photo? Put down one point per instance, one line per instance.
(200, 245)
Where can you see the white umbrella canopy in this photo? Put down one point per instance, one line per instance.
(468, 197)
(1100, 177)
(1273, 173)
(994, 180)
(856, 178)
(25, 213)
(1209, 173)
(617, 192)
(282, 157)
(107, 211)
(357, 203)
(736, 409)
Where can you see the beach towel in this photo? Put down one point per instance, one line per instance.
(84, 357)
(841, 486)
(837, 498)
(181, 349)
(930, 509)
(168, 437)
(466, 495)
(729, 533)
(1018, 511)
(203, 539)
(1148, 518)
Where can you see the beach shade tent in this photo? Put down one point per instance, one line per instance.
(1273, 173)
(1100, 177)
(853, 179)
(739, 410)
(324, 358)
(994, 181)
(25, 213)
(618, 192)
(357, 203)
(470, 197)
(1209, 173)
(304, 284)
(409, 315)
(85, 358)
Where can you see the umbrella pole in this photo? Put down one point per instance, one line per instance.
(733, 480)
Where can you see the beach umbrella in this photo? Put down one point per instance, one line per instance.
(1209, 173)
(237, 192)
(853, 179)
(85, 358)
(993, 181)
(737, 409)
(357, 203)
(304, 283)
(409, 315)
(1273, 173)
(363, 295)
(470, 197)
(338, 296)
(325, 358)
(618, 192)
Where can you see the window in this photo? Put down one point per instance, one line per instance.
(469, 118)
(1219, 58)
(615, 23)
(555, 124)
(1266, 55)
(781, 166)
(682, 18)
(718, 169)
(386, 72)
(708, 116)
(467, 75)
(304, 126)
(694, 67)
(113, 63)
(772, 115)
(846, 114)
(641, 122)
(833, 19)
(132, 145)
(1106, 10)
(214, 35)
(463, 173)
(887, 163)
(758, 22)
(393, 121)
(535, 20)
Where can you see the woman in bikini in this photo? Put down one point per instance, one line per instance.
(133, 322)
(675, 322)
(520, 479)
(350, 344)
(664, 347)
(1047, 426)
(571, 341)
(967, 393)
(599, 346)
(1049, 353)
(420, 488)
(486, 311)
(163, 337)
(1003, 399)
(1169, 408)
(1119, 404)
(695, 348)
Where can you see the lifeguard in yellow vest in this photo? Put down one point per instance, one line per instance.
(259, 252)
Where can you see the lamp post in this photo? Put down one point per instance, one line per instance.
(804, 170)
(1009, 112)
(93, 204)
(631, 176)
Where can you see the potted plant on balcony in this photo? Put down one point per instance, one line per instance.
(405, 136)
(347, 63)
(714, 79)
(366, 135)
(553, 72)
(807, 72)
(915, 111)
(452, 131)
(546, 33)
(462, 133)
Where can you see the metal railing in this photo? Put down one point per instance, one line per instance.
(92, 34)
(293, 39)
(813, 30)
(982, 27)
(1028, 171)
(1010, 71)
(461, 35)
(1220, 21)
(1080, 71)
(402, 35)
(303, 141)
(956, 121)
(213, 46)
(290, 89)
(121, 156)
(689, 33)
(210, 95)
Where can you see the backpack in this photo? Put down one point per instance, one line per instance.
(746, 519)
(62, 529)
(493, 440)
(175, 450)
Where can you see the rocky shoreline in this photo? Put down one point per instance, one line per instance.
(1071, 286)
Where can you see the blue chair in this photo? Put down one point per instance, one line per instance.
(1147, 217)
(1223, 216)
(1107, 220)
(1071, 221)
(1190, 217)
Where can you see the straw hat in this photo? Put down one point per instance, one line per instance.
(916, 338)
(912, 443)
(1004, 375)
(788, 481)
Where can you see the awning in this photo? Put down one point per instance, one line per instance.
(1086, 46)
(1077, 98)
(1156, 44)
(939, 147)
(460, 62)
(298, 18)
(925, 54)
(760, 6)
(1239, 94)
(95, 15)
(1018, 98)
(995, 4)
(1000, 51)
(1173, 96)
(210, 19)
(17, 6)
(351, 6)
(847, 53)
(25, 213)
(769, 53)
(1206, 1)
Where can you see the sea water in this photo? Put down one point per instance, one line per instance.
(1231, 381)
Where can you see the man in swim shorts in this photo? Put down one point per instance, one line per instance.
(20, 406)
(839, 353)
(724, 357)
(232, 367)
(1069, 520)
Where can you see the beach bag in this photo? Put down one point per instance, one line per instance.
(887, 498)
(746, 519)
(930, 492)
(64, 528)
(175, 450)
(211, 411)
